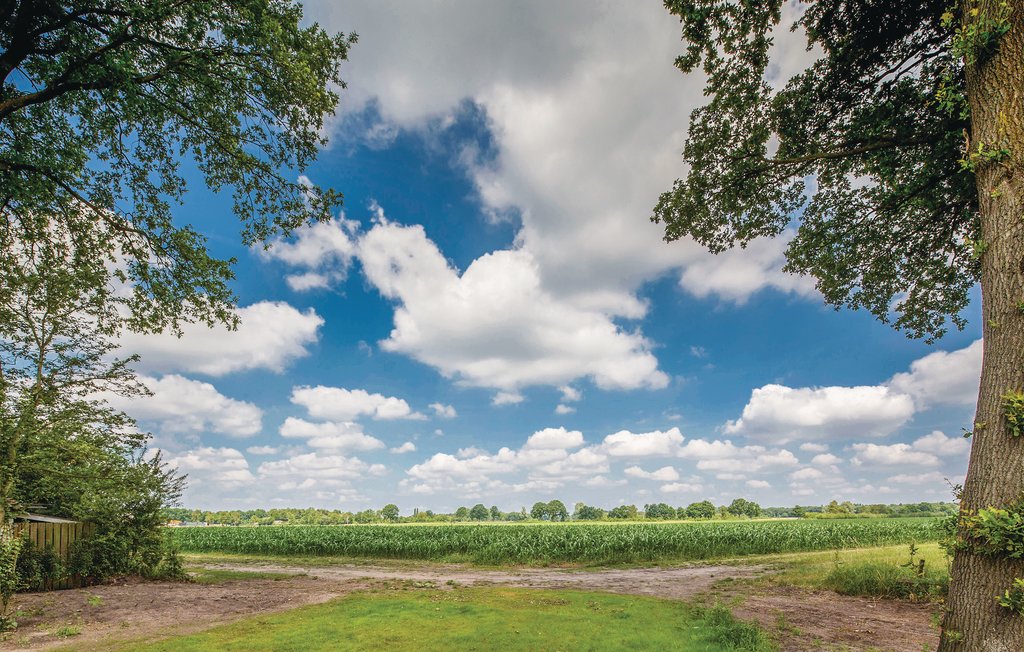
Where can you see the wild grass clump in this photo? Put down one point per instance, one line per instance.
(912, 580)
(880, 580)
(728, 633)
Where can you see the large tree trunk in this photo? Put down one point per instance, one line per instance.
(995, 89)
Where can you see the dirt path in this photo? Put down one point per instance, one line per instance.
(679, 583)
(803, 620)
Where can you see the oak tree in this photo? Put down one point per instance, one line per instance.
(896, 153)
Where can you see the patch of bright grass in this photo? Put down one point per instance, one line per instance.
(218, 575)
(885, 572)
(484, 618)
(67, 631)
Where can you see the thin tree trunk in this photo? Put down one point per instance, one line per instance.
(8, 460)
(974, 621)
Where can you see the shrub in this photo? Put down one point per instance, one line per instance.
(170, 566)
(37, 567)
(10, 581)
(98, 556)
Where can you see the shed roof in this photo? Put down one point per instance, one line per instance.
(40, 518)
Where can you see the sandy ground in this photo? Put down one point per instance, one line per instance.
(822, 620)
(802, 620)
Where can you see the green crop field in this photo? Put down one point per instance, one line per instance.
(558, 543)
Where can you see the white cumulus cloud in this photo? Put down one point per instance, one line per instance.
(270, 335)
(570, 394)
(825, 459)
(263, 450)
(682, 488)
(183, 405)
(812, 447)
(317, 469)
(213, 468)
(443, 411)
(781, 414)
(938, 443)
(728, 458)
(943, 377)
(645, 444)
(325, 246)
(555, 438)
(339, 404)
(330, 435)
(664, 474)
(563, 113)
(892, 454)
(495, 324)
(507, 398)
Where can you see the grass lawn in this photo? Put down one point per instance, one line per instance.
(483, 619)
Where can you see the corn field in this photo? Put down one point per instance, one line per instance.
(557, 543)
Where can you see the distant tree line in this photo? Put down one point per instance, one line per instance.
(848, 509)
(556, 511)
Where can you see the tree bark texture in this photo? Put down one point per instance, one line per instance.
(974, 621)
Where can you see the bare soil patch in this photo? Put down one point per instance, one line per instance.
(801, 620)
(816, 620)
(111, 613)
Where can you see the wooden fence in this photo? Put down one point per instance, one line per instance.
(59, 536)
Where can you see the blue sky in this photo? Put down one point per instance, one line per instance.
(494, 319)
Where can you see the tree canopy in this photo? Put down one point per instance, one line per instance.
(862, 148)
(102, 104)
(703, 509)
(478, 512)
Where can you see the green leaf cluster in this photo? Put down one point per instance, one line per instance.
(703, 509)
(982, 155)
(977, 32)
(995, 531)
(1013, 597)
(1013, 412)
